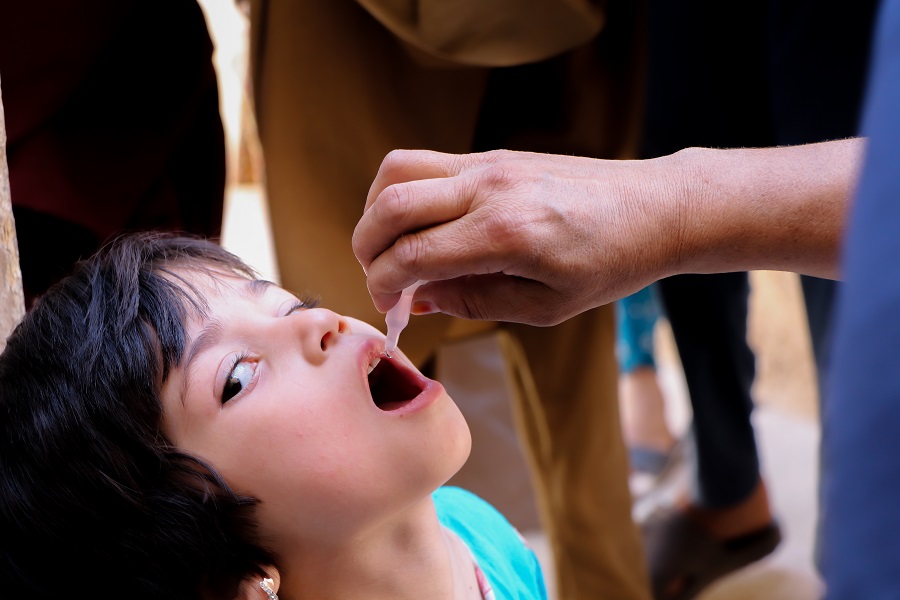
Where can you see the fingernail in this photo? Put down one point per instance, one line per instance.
(423, 307)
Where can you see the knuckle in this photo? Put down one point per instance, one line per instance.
(508, 234)
(393, 160)
(459, 163)
(498, 156)
(409, 251)
(497, 175)
(397, 200)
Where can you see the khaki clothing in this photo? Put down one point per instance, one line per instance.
(336, 87)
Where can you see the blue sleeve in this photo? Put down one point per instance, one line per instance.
(509, 565)
(861, 418)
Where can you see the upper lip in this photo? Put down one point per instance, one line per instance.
(369, 349)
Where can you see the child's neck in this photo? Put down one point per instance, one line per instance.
(411, 559)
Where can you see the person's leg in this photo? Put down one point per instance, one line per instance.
(818, 298)
(571, 425)
(653, 452)
(636, 317)
(711, 99)
(708, 318)
(724, 522)
(708, 315)
(708, 86)
(641, 401)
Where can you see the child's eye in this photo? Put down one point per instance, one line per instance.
(304, 303)
(238, 378)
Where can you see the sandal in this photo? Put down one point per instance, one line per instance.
(684, 559)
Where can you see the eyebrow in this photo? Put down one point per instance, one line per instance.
(213, 331)
(209, 336)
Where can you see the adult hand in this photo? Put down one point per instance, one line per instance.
(537, 238)
(514, 236)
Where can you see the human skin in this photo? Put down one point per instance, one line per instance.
(537, 238)
(275, 396)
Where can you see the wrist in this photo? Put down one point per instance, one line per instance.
(685, 182)
(761, 208)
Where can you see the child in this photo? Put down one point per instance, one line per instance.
(173, 427)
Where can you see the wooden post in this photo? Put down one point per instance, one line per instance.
(12, 301)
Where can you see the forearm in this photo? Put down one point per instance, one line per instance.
(771, 208)
(537, 238)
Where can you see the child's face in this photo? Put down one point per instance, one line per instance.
(276, 398)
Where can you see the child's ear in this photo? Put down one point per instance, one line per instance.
(251, 589)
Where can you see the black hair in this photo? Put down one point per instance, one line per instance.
(94, 499)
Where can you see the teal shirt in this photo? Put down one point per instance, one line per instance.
(511, 568)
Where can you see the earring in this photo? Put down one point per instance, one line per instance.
(266, 585)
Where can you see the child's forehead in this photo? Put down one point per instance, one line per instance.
(204, 285)
(206, 279)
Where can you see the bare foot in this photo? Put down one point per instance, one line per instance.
(643, 411)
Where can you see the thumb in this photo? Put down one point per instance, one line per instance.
(495, 297)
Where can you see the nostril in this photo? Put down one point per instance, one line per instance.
(332, 328)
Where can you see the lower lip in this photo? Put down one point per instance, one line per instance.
(428, 396)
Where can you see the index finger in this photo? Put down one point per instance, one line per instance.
(402, 166)
(405, 208)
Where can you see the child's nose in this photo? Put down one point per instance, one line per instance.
(320, 331)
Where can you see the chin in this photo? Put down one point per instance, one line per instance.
(458, 442)
(436, 451)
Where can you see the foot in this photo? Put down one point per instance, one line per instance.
(690, 547)
(652, 449)
(744, 517)
(643, 411)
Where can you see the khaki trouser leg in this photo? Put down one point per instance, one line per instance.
(574, 441)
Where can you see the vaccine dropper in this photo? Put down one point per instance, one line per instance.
(398, 317)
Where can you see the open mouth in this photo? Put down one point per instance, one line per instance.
(392, 385)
